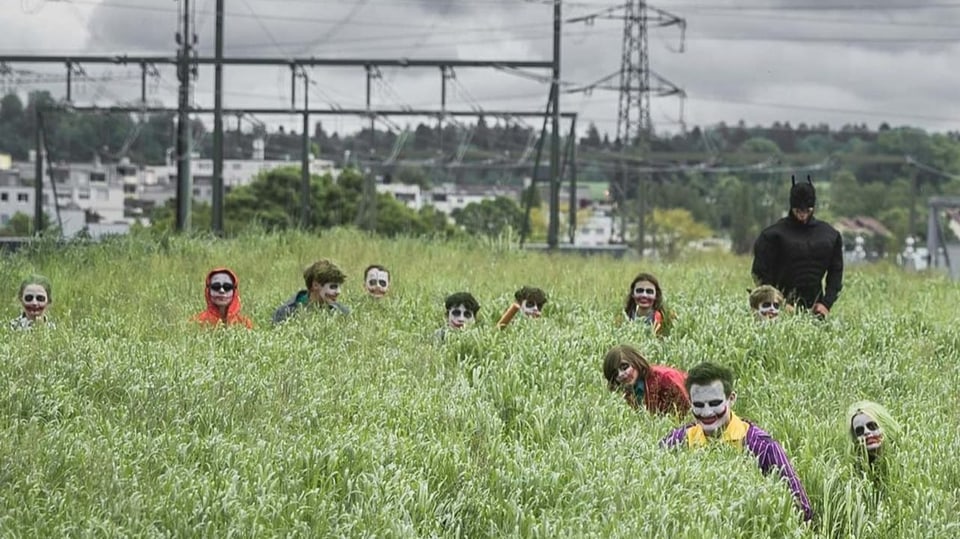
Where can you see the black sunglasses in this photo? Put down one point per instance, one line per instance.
(767, 305)
(859, 430)
(30, 297)
(375, 282)
(467, 313)
(222, 287)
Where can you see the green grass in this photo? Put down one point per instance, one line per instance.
(127, 420)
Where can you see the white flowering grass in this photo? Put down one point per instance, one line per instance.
(127, 420)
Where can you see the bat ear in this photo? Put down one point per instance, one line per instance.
(793, 180)
(809, 180)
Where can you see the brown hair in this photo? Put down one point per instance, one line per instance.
(623, 353)
(531, 293)
(323, 272)
(764, 294)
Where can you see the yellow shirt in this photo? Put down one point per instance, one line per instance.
(734, 433)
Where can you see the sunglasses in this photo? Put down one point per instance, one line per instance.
(375, 282)
(859, 430)
(466, 313)
(30, 297)
(530, 305)
(645, 291)
(770, 305)
(222, 287)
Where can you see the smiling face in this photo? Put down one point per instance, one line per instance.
(644, 295)
(866, 431)
(329, 292)
(222, 289)
(34, 300)
(711, 407)
(377, 281)
(459, 317)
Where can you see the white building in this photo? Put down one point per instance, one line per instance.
(411, 195)
(17, 196)
(602, 228)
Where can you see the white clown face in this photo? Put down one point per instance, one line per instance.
(222, 289)
(769, 310)
(530, 308)
(329, 292)
(377, 282)
(627, 374)
(711, 407)
(867, 431)
(34, 300)
(644, 294)
(460, 317)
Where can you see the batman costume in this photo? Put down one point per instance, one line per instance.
(795, 255)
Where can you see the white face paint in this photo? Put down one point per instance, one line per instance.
(329, 292)
(530, 308)
(34, 300)
(769, 309)
(711, 408)
(459, 317)
(377, 282)
(644, 294)
(222, 289)
(627, 374)
(867, 431)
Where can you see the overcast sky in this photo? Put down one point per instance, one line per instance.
(811, 61)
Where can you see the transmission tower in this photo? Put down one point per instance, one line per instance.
(634, 126)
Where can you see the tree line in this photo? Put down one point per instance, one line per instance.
(879, 173)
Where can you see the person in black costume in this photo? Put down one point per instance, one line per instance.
(798, 251)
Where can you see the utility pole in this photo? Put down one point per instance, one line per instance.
(553, 231)
(218, 124)
(633, 119)
(571, 158)
(38, 172)
(184, 181)
(305, 158)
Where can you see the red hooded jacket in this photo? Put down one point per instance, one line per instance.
(211, 315)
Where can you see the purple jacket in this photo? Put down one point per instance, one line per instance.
(769, 456)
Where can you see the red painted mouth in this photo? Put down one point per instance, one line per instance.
(457, 325)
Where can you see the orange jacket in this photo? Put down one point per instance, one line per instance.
(211, 316)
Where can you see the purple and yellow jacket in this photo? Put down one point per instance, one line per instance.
(742, 433)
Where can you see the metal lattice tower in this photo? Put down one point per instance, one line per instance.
(634, 127)
(633, 116)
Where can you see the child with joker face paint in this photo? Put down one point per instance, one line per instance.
(658, 388)
(462, 309)
(528, 300)
(767, 302)
(322, 279)
(645, 302)
(712, 397)
(870, 425)
(376, 280)
(222, 294)
(35, 298)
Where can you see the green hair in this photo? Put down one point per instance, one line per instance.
(39, 280)
(706, 373)
(877, 412)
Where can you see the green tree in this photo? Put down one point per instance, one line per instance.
(674, 229)
(489, 217)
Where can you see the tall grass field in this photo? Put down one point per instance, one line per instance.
(128, 420)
